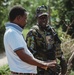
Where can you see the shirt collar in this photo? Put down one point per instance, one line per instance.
(14, 26)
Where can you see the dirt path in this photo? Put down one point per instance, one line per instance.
(3, 59)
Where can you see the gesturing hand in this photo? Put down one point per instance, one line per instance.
(49, 64)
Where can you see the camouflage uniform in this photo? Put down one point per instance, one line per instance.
(45, 45)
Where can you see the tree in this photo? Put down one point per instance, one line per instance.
(3, 18)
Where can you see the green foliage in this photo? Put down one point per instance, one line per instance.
(4, 70)
(25, 31)
(2, 29)
(3, 18)
(72, 73)
(67, 43)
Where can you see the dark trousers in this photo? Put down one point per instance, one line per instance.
(63, 65)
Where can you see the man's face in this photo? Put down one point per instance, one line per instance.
(43, 20)
(23, 20)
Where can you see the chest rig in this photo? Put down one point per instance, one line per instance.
(45, 42)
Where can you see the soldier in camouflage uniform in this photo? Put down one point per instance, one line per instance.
(44, 43)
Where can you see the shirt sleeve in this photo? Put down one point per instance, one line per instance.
(15, 40)
(30, 39)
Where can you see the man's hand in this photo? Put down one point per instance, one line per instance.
(49, 64)
(52, 64)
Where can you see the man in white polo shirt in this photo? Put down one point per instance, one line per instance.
(20, 59)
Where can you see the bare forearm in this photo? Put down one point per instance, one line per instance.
(33, 61)
(36, 62)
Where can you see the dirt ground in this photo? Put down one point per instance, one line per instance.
(3, 59)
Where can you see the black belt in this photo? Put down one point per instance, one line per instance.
(23, 73)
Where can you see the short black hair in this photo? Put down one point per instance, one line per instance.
(15, 11)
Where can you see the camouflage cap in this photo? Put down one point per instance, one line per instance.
(41, 10)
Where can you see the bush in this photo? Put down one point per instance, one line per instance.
(2, 30)
(4, 70)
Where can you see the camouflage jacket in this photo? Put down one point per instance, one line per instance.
(44, 44)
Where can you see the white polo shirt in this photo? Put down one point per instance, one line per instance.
(13, 40)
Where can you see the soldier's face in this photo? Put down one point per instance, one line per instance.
(43, 20)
